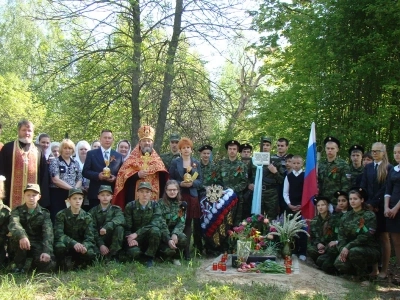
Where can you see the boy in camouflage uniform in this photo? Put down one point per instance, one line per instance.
(232, 173)
(332, 171)
(143, 223)
(167, 158)
(4, 219)
(109, 223)
(74, 233)
(31, 242)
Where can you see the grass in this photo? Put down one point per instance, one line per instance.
(134, 281)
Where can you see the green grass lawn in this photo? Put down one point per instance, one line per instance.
(135, 281)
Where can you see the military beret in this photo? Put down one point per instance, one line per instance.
(245, 146)
(174, 137)
(332, 139)
(361, 191)
(183, 205)
(266, 139)
(356, 148)
(341, 193)
(232, 142)
(316, 199)
(205, 147)
(145, 185)
(32, 187)
(105, 188)
(74, 191)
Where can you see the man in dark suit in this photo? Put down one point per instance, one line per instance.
(95, 164)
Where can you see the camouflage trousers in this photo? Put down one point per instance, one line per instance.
(29, 259)
(238, 210)
(62, 251)
(357, 260)
(326, 261)
(114, 239)
(270, 203)
(3, 257)
(165, 250)
(148, 241)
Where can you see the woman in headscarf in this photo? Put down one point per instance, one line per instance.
(124, 148)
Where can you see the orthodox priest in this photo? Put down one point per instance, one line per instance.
(142, 165)
(21, 162)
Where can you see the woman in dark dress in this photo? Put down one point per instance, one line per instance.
(392, 204)
(374, 183)
(183, 170)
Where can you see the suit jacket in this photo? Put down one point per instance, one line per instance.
(375, 189)
(94, 164)
(176, 172)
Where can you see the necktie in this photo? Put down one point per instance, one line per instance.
(106, 155)
(376, 167)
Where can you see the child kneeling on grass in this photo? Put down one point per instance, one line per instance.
(108, 221)
(74, 234)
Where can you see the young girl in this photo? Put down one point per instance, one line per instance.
(357, 245)
(174, 213)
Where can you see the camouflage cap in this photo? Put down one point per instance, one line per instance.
(174, 137)
(356, 148)
(266, 139)
(145, 185)
(105, 188)
(74, 191)
(32, 187)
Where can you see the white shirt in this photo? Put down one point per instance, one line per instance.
(286, 186)
(104, 150)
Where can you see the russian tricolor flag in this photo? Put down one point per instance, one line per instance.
(310, 188)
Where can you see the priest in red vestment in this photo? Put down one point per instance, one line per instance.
(142, 165)
(21, 162)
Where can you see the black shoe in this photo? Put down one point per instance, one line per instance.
(150, 263)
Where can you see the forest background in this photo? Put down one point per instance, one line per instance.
(77, 67)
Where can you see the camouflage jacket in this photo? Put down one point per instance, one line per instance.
(138, 219)
(4, 220)
(232, 174)
(71, 229)
(209, 174)
(269, 179)
(108, 219)
(35, 226)
(354, 173)
(357, 229)
(167, 158)
(332, 177)
(174, 223)
(322, 231)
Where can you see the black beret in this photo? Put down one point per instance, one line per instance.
(332, 139)
(316, 199)
(341, 193)
(245, 146)
(205, 147)
(232, 142)
(356, 148)
(361, 191)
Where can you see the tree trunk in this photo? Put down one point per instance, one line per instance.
(168, 76)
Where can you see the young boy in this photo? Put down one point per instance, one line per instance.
(74, 243)
(292, 193)
(31, 242)
(4, 219)
(143, 225)
(108, 221)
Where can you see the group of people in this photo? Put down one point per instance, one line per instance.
(128, 203)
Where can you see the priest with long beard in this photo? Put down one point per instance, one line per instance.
(21, 162)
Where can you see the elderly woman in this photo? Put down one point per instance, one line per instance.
(65, 174)
(183, 170)
(81, 149)
(124, 148)
(55, 149)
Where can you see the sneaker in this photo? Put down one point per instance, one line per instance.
(302, 257)
(176, 262)
(149, 263)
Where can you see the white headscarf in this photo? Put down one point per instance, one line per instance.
(78, 146)
(129, 151)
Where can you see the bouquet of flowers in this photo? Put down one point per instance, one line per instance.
(288, 227)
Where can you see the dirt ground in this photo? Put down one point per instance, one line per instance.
(308, 280)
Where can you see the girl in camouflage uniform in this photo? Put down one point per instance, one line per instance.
(173, 240)
(357, 242)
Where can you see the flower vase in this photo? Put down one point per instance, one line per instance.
(287, 249)
(243, 250)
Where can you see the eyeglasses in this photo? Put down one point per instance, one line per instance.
(376, 151)
(172, 190)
